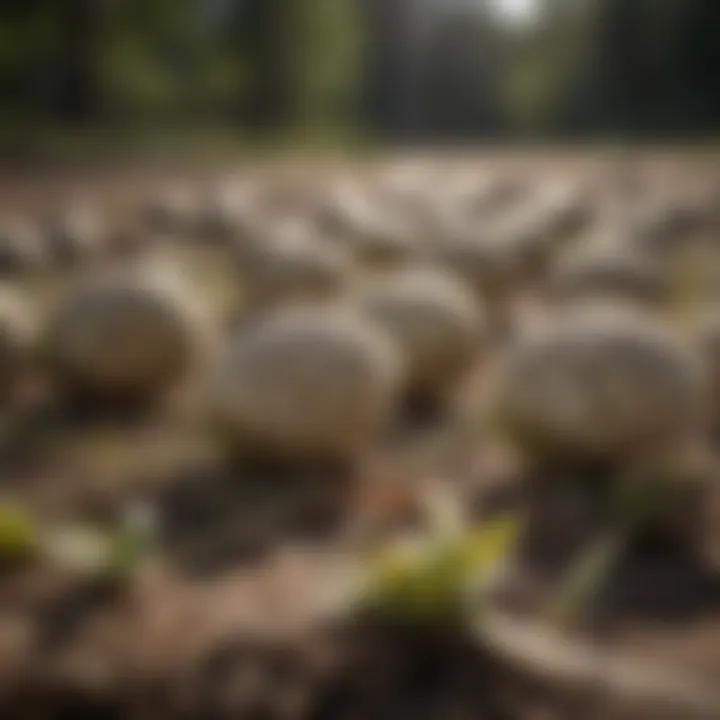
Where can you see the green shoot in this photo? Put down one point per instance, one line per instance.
(19, 533)
(430, 580)
(587, 574)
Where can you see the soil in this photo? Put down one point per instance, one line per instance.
(240, 612)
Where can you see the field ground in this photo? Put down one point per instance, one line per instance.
(231, 618)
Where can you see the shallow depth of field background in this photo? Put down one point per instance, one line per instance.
(360, 359)
(363, 70)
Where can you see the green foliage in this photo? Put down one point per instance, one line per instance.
(661, 494)
(430, 580)
(109, 552)
(586, 575)
(19, 534)
(322, 59)
(466, 69)
(302, 58)
(161, 60)
(126, 548)
(79, 548)
(627, 67)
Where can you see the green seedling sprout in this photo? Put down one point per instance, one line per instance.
(85, 549)
(587, 573)
(432, 578)
(638, 501)
(19, 533)
(110, 553)
(131, 542)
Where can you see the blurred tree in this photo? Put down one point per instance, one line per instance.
(323, 61)
(261, 30)
(445, 68)
(92, 60)
(464, 69)
(700, 61)
(168, 58)
(302, 59)
(433, 68)
(635, 62)
(395, 35)
(83, 32)
(540, 70)
(30, 47)
(642, 67)
(52, 57)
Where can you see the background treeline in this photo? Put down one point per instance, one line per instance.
(392, 69)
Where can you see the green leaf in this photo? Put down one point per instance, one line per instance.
(428, 580)
(19, 533)
(487, 545)
(83, 549)
(125, 550)
(586, 575)
(98, 552)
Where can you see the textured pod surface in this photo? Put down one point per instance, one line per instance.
(436, 321)
(174, 210)
(599, 382)
(567, 210)
(307, 383)
(76, 235)
(610, 270)
(341, 210)
(227, 212)
(484, 261)
(290, 264)
(22, 249)
(381, 241)
(127, 335)
(18, 333)
(528, 243)
(707, 338)
(664, 228)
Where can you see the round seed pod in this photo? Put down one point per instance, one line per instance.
(429, 213)
(173, 211)
(600, 382)
(22, 249)
(486, 263)
(568, 210)
(289, 264)
(128, 336)
(610, 271)
(528, 244)
(18, 337)
(534, 234)
(437, 323)
(707, 339)
(76, 235)
(504, 191)
(341, 210)
(306, 384)
(129, 239)
(663, 229)
(377, 238)
(384, 243)
(228, 212)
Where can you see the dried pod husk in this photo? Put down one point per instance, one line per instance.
(436, 321)
(306, 384)
(601, 383)
(125, 336)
